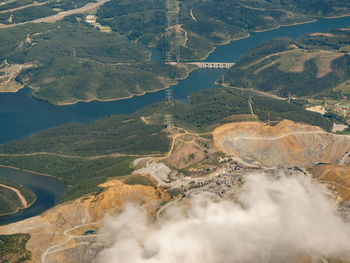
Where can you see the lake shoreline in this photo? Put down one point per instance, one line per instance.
(248, 34)
(117, 99)
(29, 171)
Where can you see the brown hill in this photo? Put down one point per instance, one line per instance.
(286, 144)
(61, 228)
(337, 177)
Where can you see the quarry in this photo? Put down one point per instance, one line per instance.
(217, 164)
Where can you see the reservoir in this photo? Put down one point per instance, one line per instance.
(21, 115)
(47, 190)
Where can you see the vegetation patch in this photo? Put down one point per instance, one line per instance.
(137, 179)
(217, 106)
(119, 134)
(13, 250)
(73, 61)
(205, 24)
(311, 65)
(9, 201)
(25, 10)
(82, 176)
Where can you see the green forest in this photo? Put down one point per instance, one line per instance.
(124, 134)
(73, 61)
(208, 23)
(212, 107)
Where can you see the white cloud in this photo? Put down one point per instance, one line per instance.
(275, 220)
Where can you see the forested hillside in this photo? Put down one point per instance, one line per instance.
(197, 26)
(314, 64)
(71, 61)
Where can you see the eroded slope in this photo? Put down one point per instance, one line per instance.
(286, 144)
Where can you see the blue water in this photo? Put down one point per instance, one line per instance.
(232, 51)
(47, 189)
(21, 115)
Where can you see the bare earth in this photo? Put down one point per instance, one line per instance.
(58, 235)
(7, 81)
(286, 144)
(61, 228)
(320, 109)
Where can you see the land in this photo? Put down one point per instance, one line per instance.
(85, 155)
(212, 107)
(222, 135)
(190, 30)
(213, 142)
(12, 248)
(72, 61)
(110, 136)
(23, 12)
(313, 65)
(311, 71)
(214, 162)
(14, 197)
(79, 63)
(71, 220)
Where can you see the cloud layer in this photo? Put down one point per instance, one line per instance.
(274, 220)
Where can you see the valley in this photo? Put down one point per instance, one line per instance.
(125, 172)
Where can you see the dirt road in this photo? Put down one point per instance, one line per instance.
(51, 19)
(19, 194)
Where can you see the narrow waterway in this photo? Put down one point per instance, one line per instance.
(47, 190)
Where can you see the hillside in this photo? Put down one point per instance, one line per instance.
(73, 231)
(83, 214)
(212, 107)
(197, 26)
(13, 250)
(118, 134)
(287, 144)
(105, 148)
(314, 64)
(71, 61)
(19, 11)
(85, 155)
(336, 176)
(74, 57)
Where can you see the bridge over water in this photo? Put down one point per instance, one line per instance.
(206, 64)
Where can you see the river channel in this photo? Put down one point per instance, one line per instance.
(22, 115)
